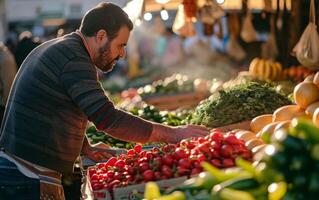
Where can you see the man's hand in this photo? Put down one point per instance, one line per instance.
(96, 155)
(168, 134)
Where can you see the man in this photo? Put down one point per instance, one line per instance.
(8, 70)
(56, 92)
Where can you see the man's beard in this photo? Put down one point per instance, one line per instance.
(104, 60)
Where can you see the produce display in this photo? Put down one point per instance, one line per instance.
(293, 154)
(172, 160)
(239, 103)
(306, 97)
(296, 73)
(285, 169)
(171, 85)
(95, 136)
(173, 118)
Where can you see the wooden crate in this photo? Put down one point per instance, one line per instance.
(175, 101)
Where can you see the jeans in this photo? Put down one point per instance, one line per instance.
(16, 186)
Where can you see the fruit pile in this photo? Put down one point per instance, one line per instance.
(293, 154)
(169, 161)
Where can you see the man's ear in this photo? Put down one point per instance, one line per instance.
(101, 36)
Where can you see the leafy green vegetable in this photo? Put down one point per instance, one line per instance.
(239, 103)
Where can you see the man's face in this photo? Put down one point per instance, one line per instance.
(109, 52)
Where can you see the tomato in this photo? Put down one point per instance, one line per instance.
(201, 140)
(129, 178)
(138, 148)
(196, 171)
(168, 160)
(100, 165)
(92, 171)
(131, 170)
(216, 163)
(204, 147)
(180, 153)
(111, 161)
(157, 175)
(182, 171)
(157, 162)
(148, 175)
(120, 164)
(246, 155)
(228, 162)
(215, 153)
(232, 140)
(226, 151)
(168, 148)
(217, 136)
(201, 158)
(110, 174)
(184, 143)
(185, 162)
(97, 186)
(94, 177)
(131, 152)
(167, 171)
(144, 166)
(149, 155)
(117, 176)
(216, 144)
(191, 145)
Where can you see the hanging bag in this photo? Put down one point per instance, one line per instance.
(307, 49)
(248, 32)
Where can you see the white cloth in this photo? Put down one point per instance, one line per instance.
(21, 168)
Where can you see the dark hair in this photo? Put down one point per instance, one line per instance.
(106, 16)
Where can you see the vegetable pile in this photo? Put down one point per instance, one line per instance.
(172, 160)
(237, 104)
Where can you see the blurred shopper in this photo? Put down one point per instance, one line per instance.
(8, 71)
(25, 45)
(54, 95)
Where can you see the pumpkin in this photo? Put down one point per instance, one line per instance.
(265, 69)
(305, 93)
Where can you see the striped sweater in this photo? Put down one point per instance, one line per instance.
(54, 94)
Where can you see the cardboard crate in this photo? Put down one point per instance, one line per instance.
(130, 192)
(175, 101)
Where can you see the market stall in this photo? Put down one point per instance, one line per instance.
(263, 122)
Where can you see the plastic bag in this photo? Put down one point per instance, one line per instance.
(210, 12)
(181, 26)
(234, 49)
(248, 32)
(307, 49)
